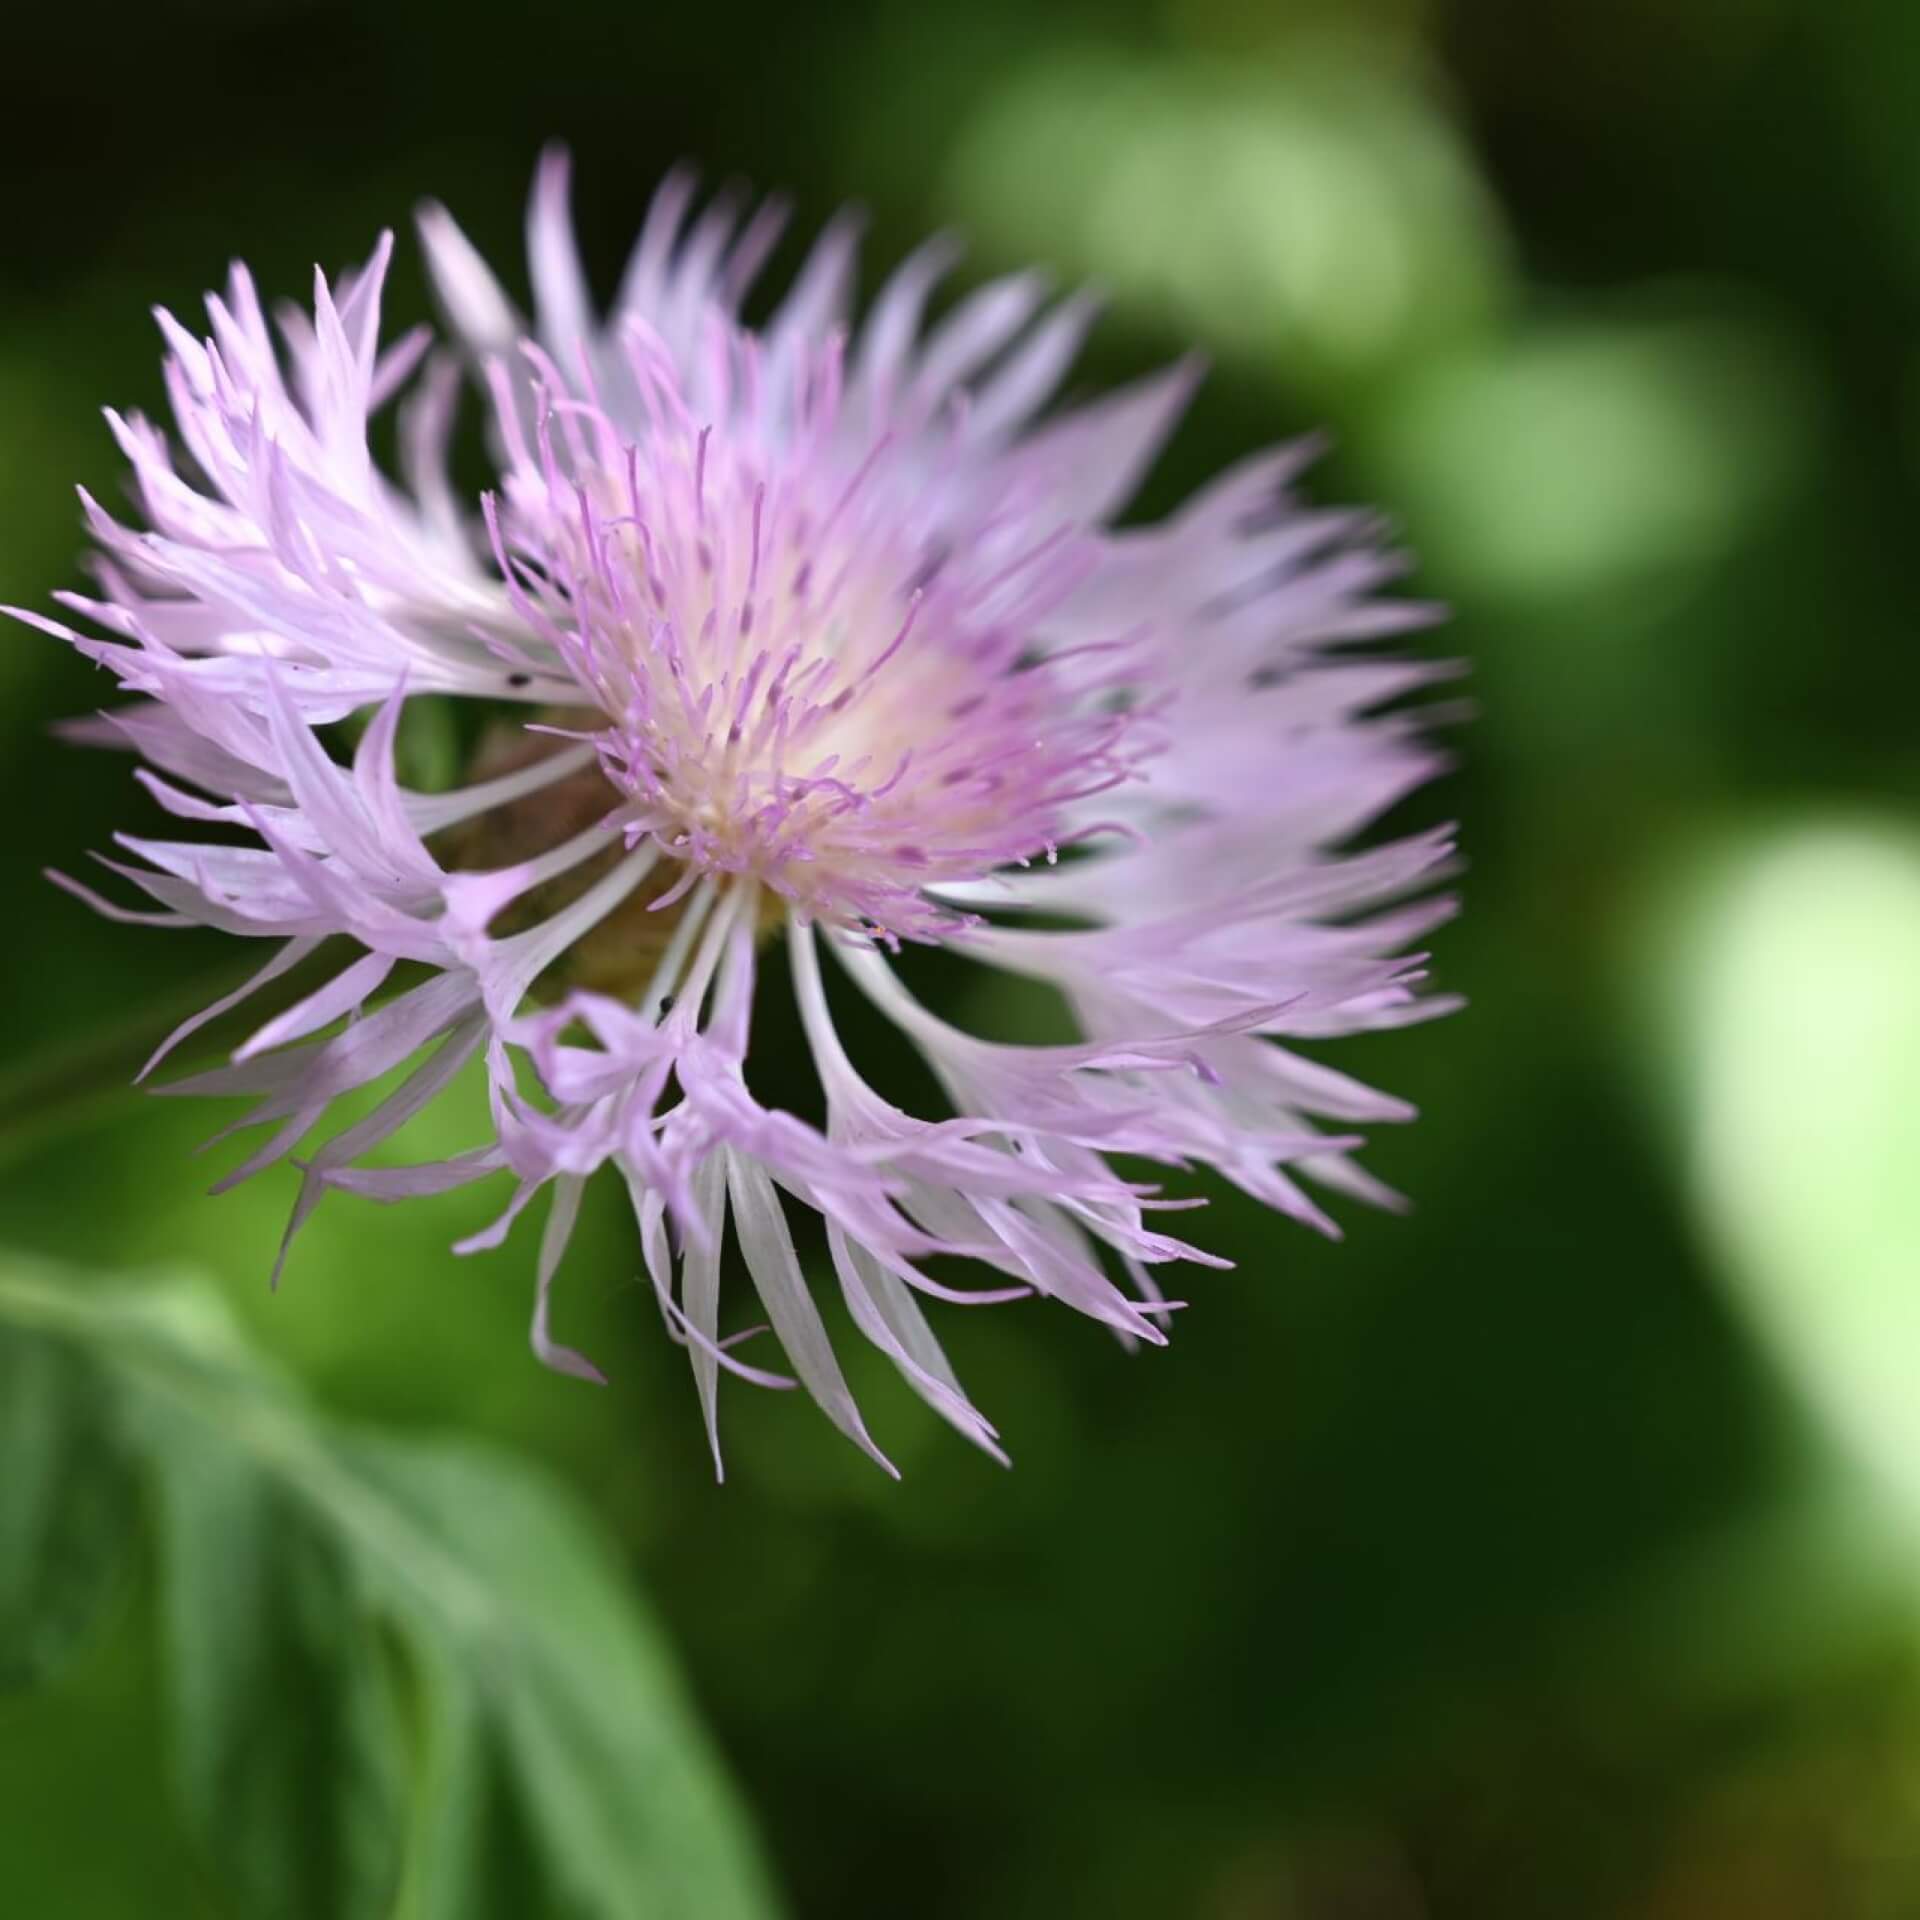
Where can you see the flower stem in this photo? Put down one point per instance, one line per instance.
(74, 1085)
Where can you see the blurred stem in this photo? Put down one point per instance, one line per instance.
(72, 1087)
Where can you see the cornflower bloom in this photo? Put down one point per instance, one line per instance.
(818, 637)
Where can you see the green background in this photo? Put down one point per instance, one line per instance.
(1546, 1552)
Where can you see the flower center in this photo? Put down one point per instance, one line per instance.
(796, 677)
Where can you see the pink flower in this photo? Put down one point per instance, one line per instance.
(819, 637)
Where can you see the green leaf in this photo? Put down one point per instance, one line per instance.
(570, 1696)
(68, 1514)
(408, 1677)
(1783, 968)
(286, 1743)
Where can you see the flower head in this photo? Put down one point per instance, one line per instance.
(818, 636)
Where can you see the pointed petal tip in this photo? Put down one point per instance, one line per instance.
(565, 1360)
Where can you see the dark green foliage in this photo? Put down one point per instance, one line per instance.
(402, 1677)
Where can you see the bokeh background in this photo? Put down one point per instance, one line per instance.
(1549, 1552)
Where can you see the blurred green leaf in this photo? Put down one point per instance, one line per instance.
(1783, 975)
(406, 1676)
(1314, 210)
(68, 1511)
(1601, 451)
(286, 1735)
